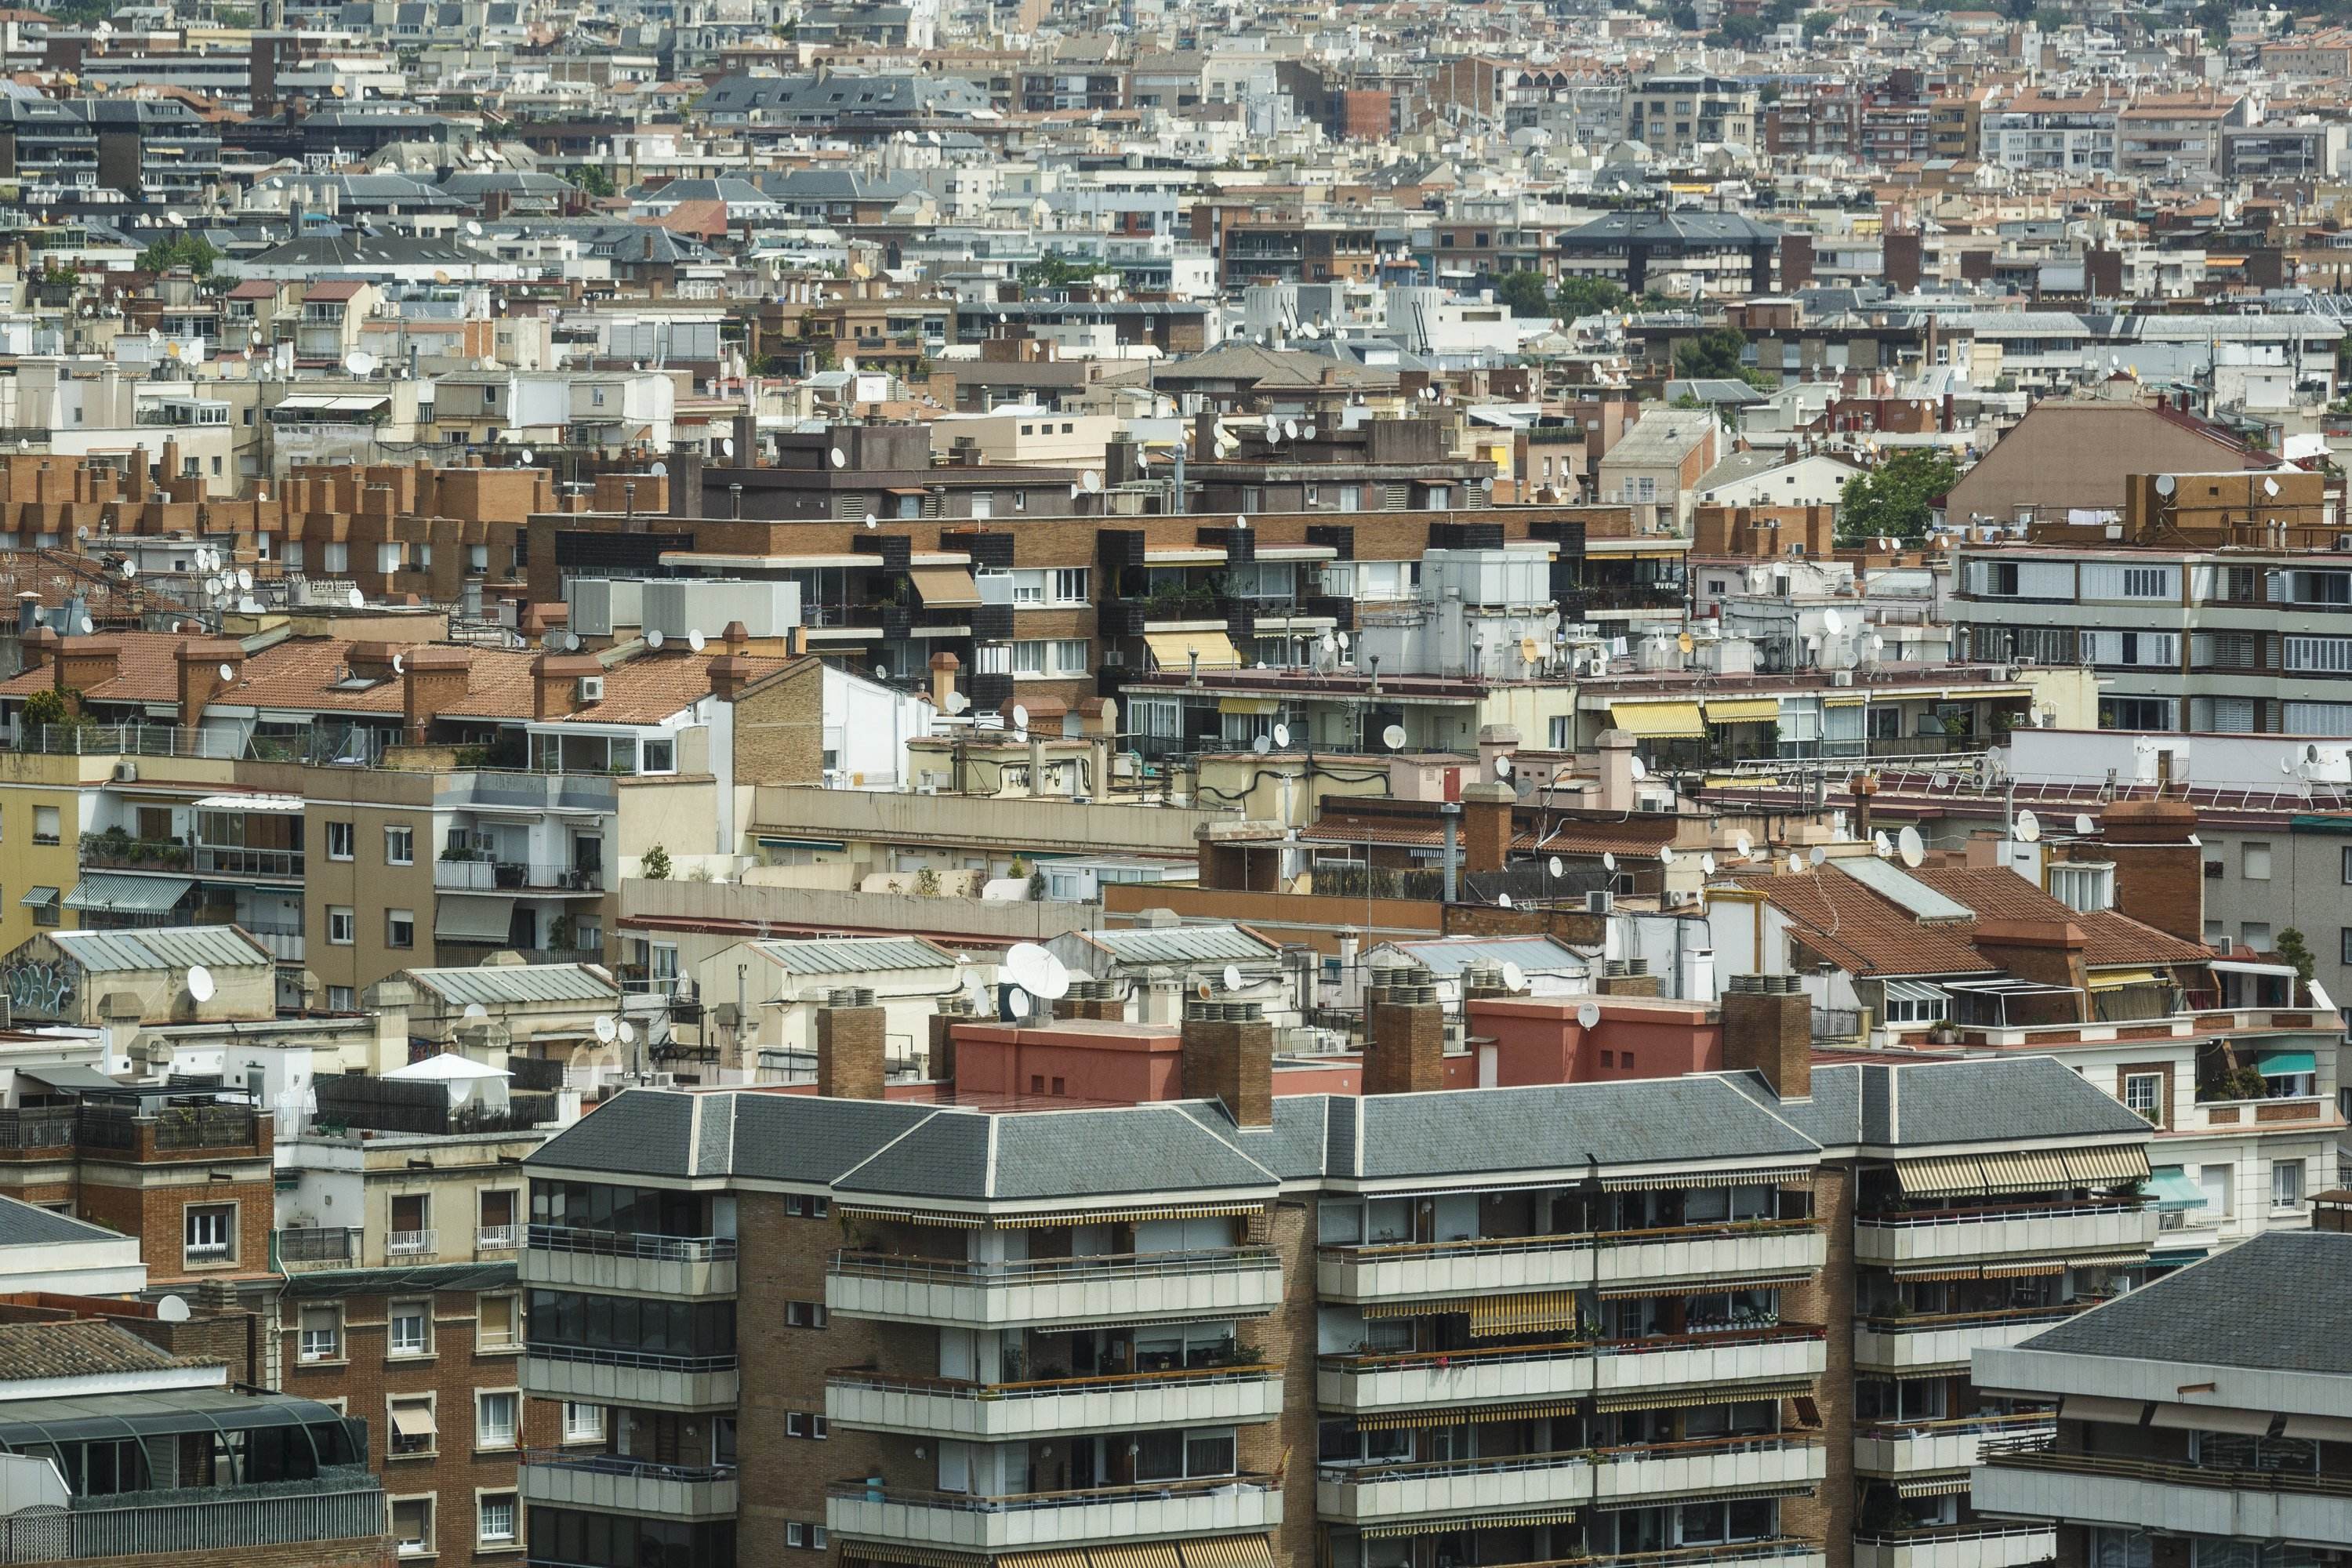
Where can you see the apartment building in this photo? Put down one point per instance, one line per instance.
(1267, 1322)
(2037, 129)
(1674, 116)
(2199, 1420)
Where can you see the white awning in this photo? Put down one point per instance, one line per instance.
(472, 917)
(2239, 967)
(291, 804)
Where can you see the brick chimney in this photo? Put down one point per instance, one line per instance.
(432, 680)
(371, 660)
(849, 1046)
(1095, 1000)
(40, 646)
(1863, 787)
(1487, 825)
(83, 662)
(2048, 953)
(1404, 1034)
(2159, 874)
(1228, 1055)
(943, 679)
(555, 682)
(1768, 1029)
(729, 674)
(200, 664)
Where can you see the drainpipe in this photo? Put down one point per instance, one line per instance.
(1451, 811)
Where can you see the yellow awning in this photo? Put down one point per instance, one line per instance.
(1940, 1175)
(944, 587)
(1438, 1309)
(1464, 1415)
(1137, 1555)
(1447, 1524)
(1659, 720)
(2109, 1167)
(1121, 1216)
(1843, 701)
(2116, 979)
(1174, 650)
(1523, 1314)
(1067, 1557)
(1228, 1551)
(1743, 711)
(1251, 707)
(2029, 1171)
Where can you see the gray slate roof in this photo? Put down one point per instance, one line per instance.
(1145, 1148)
(1999, 1101)
(2262, 1304)
(22, 1225)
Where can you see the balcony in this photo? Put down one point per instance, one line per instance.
(995, 1412)
(311, 1248)
(340, 1504)
(593, 1376)
(1772, 1465)
(487, 875)
(2072, 1232)
(115, 851)
(1924, 1342)
(498, 1237)
(1902, 1449)
(1760, 1466)
(1222, 1506)
(1778, 1356)
(1788, 1353)
(1442, 1270)
(2029, 1476)
(261, 865)
(1975, 1545)
(412, 1243)
(1743, 1250)
(614, 1483)
(1225, 1283)
(562, 1258)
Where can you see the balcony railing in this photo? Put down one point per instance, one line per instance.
(47, 1127)
(2072, 1229)
(1223, 1396)
(630, 1244)
(412, 1243)
(861, 1508)
(239, 860)
(317, 1245)
(1777, 1549)
(342, 1504)
(2038, 1451)
(498, 1237)
(624, 1464)
(105, 849)
(1922, 1340)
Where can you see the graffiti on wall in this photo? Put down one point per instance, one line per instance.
(38, 984)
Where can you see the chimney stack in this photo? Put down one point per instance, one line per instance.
(2159, 874)
(1768, 1029)
(1228, 1055)
(432, 680)
(555, 682)
(200, 665)
(943, 679)
(1487, 825)
(849, 1046)
(1404, 1034)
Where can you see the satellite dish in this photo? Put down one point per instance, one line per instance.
(360, 363)
(229, 672)
(604, 1030)
(872, 520)
(1502, 767)
(2084, 826)
(957, 702)
(1882, 846)
(839, 459)
(200, 982)
(1796, 863)
(1233, 977)
(694, 641)
(1291, 429)
(659, 470)
(1832, 623)
(1908, 844)
(1393, 737)
(245, 579)
(358, 600)
(882, 672)
(1092, 482)
(2164, 484)
(727, 446)
(1016, 1000)
(571, 642)
(1554, 865)
(1513, 977)
(2029, 828)
(171, 1309)
(1706, 864)
(1306, 432)
(1036, 971)
(475, 1012)
(473, 229)
(1503, 901)
(1745, 846)
(527, 457)
(1608, 861)
(1666, 854)
(1640, 770)
(1020, 716)
(1281, 736)
(88, 625)
(1587, 1013)
(1262, 744)
(130, 569)
(1817, 856)
(625, 1030)
(653, 640)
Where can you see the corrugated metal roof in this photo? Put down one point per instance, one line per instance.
(1533, 954)
(510, 984)
(1184, 944)
(855, 954)
(162, 947)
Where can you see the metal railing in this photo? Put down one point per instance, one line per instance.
(1562, 1459)
(1974, 1530)
(412, 1243)
(1027, 1270)
(1993, 1317)
(498, 1237)
(630, 1244)
(2043, 1423)
(129, 740)
(318, 1244)
(241, 860)
(1774, 1549)
(1021, 1503)
(39, 1128)
(1904, 1221)
(133, 854)
(642, 1361)
(206, 1127)
(623, 1465)
(517, 874)
(1572, 1241)
(1050, 1387)
(338, 1505)
(2038, 1451)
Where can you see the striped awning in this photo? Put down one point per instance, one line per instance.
(1940, 1175)
(920, 1556)
(1668, 1180)
(1705, 1393)
(912, 1216)
(1932, 1486)
(1671, 1287)
(1983, 1271)
(2102, 1260)
(1636, 1499)
(1658, 721)
(2011, 1171)
(1543, 1309)
(1475, 1521)
(1437, 1309)
(2113, 1166)
(1464, 1415)
(2028, 1170)
(1121, 1216)
(1068, 1557)
(1137, 1555)
(1743, 710)
(1228, 1551)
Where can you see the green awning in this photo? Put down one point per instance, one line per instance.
(128, 895)
(2286, 1064)
(38, 898)
(2173, 1188)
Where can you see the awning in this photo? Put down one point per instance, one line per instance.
(905, 1216)
(1661, 721)
(1465, 1414)
(72, 1077)
(2109, 1167)
(1250, 706)
(1705, 1394)
(1137, 1555)
(1932, 1486)
(1443, 1307)
(127, 895)
(944, 587)
(290, 804)
(1534, 1313)
(1685, 1180)
(2110, 1412)
(38, 898)
(2325, 1428)
(1913, 991)
(412, 1420)
(1940, 1175)
(2208, 1418)
(1471, 1521)
(473, 917)
(2286, 1064)
(1067, 1557)
(1121, 1216)
(1743, 711)
(2030, 1171)
(1224, 1552)
(2116, 979)
(2173, 1189)
(919, 1556)
(1173, 651)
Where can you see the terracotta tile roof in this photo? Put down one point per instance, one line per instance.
(79, 1348)
(1862, 933)
(2108, 938)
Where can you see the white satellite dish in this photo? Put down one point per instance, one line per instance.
(1816, 856)
(473, 229)
(1232, 977)
(229, 672)
(2029, 828)
(1608, 861)
(659, 470)
(1882, 846)
(1502, 767)
(1503, 901)
(1640, 770)
(1554, 865)
(1291, 429)
(1910, 847)
(605, 1030)
(1020, 716)
(171, 1309)
(727, 446)
(957, 702)
(1706, 864)
(882, 672)
(1587, 1013)
(131, 569)
(1036, 971)
(358, 600)
(627, 1031)
(1745, 846)
(653, 640)
(1281, 736)
(2164, 484)
(1513, 977)
(1262, 744)
(1832, 623)
(2084, 825)
(694, 641)
(200, 982)
(360, 363)
(1092, 482)
(527, 457)
(839, 459)
(1016, 1000)
(1393, 737)
(475, 1012)
(245, 579)
(2270, 487)
(1796, 863)
(872, 520)
(88, 625)
(1666, 854)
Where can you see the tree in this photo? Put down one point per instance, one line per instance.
(655, 866)
(1523, 293)
(1053, 270)
(1894, 499)
(186, 250)
(1714, 354)
(1589, 297)
(44, 708)
(2290, 948)
(593, 179)
(1817, 23)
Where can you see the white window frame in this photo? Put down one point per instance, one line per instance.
(216, 1223)
(2147, 1086)
(487, 1434)
(399, 845)
(483, 1503)
(392, 1343)
(2287, 1177)
(423, 1547)
(347, 835)
(344, 919)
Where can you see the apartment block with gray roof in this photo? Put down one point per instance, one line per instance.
(1396, 1329)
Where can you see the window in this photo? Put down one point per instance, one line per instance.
(2254, 935)
(582, 1423)
(796, 1423)
(2286, 1184)
(341, 841)
(412, 1526)
(2146, 582)
(399, 928)
(339, 999)
(211, 1232)
(2216, 1181)
(497, 1519)
(45, 824)
(804, 1314)
(400, 846)
(659, 756)
(413, 1428)
(342, 926)
(2119, 1549)
(494, 1322)
(322, 1334)
(494, 1420)
(2254, 862)
(1070, 584)
(410, 1325)
(2144, 1093)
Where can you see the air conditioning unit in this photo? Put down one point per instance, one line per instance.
(1840, 678)
(1599, 901)
(592, 688)
(126, 772)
